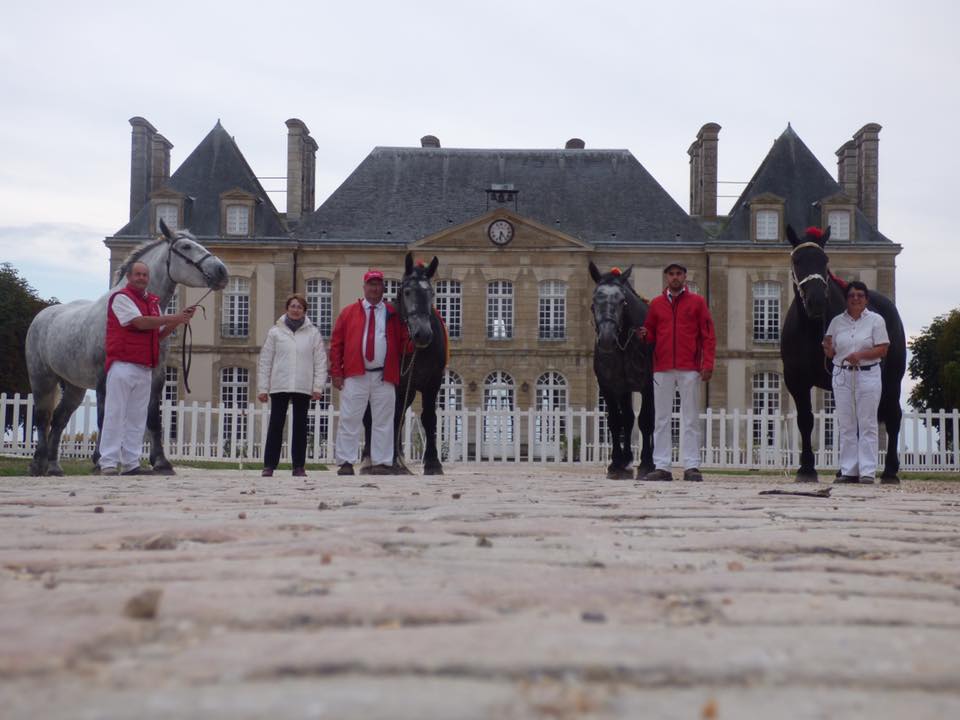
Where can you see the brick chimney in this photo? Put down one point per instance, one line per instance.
(703, 172)
(429, 141)
(141, 161)
(160, 161)
(301, 170)
(847, 169)
(867, 140)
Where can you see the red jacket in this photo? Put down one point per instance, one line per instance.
(683, 333)
(346, 358)
(129, 344)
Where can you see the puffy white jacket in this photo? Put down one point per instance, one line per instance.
(292, 362)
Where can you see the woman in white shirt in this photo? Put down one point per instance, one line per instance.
(292, 368)
(856, 341)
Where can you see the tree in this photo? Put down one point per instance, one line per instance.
(935, 363)
(19, 303)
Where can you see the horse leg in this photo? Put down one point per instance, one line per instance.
(101, 408)
(158, 459)
(365, 463)
(399, 416)
(891, 416)
(801, 398)
(626, 423)
(428, 418)
(645, 422)
(44, 396)
(69, 402)
(613, 427)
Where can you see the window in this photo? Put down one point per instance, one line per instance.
(553, 310)
(450, 398)
(447, 300)
(768, 225)
(829, 426)
(766, 398)
(498, 395)
(320, 301)
(391, 290)
(171, 392)
(238, 220)
(234, 382)
(551, 400)
(675, 420)
(173, 307)
(693, 287)
(766, 312)
(839, 222)
(602, 427)
(170, 214)
(236, 308)
(318, 421)
(500, 310)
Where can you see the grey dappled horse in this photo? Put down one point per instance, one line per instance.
(65, 345)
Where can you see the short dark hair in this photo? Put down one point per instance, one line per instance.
(856, 285)
(299, 298)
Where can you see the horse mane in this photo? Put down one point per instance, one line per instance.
(138, 252)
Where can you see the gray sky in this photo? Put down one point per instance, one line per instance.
(642, 76)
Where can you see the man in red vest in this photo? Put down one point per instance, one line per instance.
(680, 324)
(134, 330)
(365, 367)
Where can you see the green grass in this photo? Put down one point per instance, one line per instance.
(17, 466)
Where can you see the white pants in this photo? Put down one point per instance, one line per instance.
(124, 415)
(856, 395)
(356, 393)
(664, 386)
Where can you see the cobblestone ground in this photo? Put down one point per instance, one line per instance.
(504, 591)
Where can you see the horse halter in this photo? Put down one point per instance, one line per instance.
(196, 264)
(807, 278)
(613, 321)
(401, 307)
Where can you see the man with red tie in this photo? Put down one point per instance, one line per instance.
(365, 367)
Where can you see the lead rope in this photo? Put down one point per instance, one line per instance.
(406, 397)
(186, 349)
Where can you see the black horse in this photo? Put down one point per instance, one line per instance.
(622, 364)
(818, 298)
(421, 365)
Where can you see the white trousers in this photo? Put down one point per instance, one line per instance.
(124, 415)
(356, 393)
(665, 384)
(856, 395)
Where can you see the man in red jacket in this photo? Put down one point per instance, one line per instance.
(679, 323)
(134, 331)
(365, 367)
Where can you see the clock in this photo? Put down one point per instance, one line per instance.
(500, 232)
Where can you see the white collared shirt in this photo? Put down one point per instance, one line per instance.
(850, 336)
(379, 334)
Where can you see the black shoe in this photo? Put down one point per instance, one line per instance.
(658, 476)
(847, 480)
(266, 472)
(382, 470)
(299, 472)
(138, 471)
(345, 469)
(692, 475)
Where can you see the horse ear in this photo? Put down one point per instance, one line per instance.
(594, 273)
(432, 267)
(625, 275)
(792, 236)
(165, 230)
(826, 236)
(408, 264)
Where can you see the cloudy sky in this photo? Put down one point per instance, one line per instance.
(643, 76)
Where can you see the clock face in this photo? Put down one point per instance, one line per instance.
(500, 232)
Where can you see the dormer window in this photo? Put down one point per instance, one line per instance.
(238, 220)
(839, 222)
(766, 218)
(836, 212)
(236, 213)
(169, 213)
(768, 225)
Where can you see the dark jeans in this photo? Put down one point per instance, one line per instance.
(278, 415)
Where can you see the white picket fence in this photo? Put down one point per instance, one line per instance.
(734, 440)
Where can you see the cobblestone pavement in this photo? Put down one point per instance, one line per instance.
(507, 591)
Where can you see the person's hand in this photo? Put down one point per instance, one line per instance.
(642, 332)
(186, 314)
(262, 397)
(853, 358)
(705, 375)
(316, 396)
(337, 382)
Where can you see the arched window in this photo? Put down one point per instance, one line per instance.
(500, 310)
(766, 312)
(448, 304)
(551, 401)
(319, 294)
(553, 310)
(236, 308)
(234, 396)
(450, 399)
(498, 396)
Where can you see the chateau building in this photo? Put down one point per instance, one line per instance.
(513, 230)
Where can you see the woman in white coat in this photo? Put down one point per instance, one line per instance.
(292, 368)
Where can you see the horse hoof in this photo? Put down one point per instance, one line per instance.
(643, 471)
(432, 469)
(889, 479)
(164, 470)
(55, 470)
(620, 474)
(37, 471)
(399, 469)
(807, 477)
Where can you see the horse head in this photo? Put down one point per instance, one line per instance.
(809, 269)
(415, 301)
(609, 305)
(190, 263)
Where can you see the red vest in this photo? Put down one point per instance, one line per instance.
(127, 343)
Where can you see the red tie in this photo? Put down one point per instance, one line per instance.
(371, 326)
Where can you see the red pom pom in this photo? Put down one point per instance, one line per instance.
(615, 271)
(814, 232)
(419, 263)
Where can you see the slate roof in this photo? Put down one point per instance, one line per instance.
(215, 166)
(400, 195)
(792, 172)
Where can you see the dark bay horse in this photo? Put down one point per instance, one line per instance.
(422, 364)
(622, 364)
(65, 348)
(818, 298)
